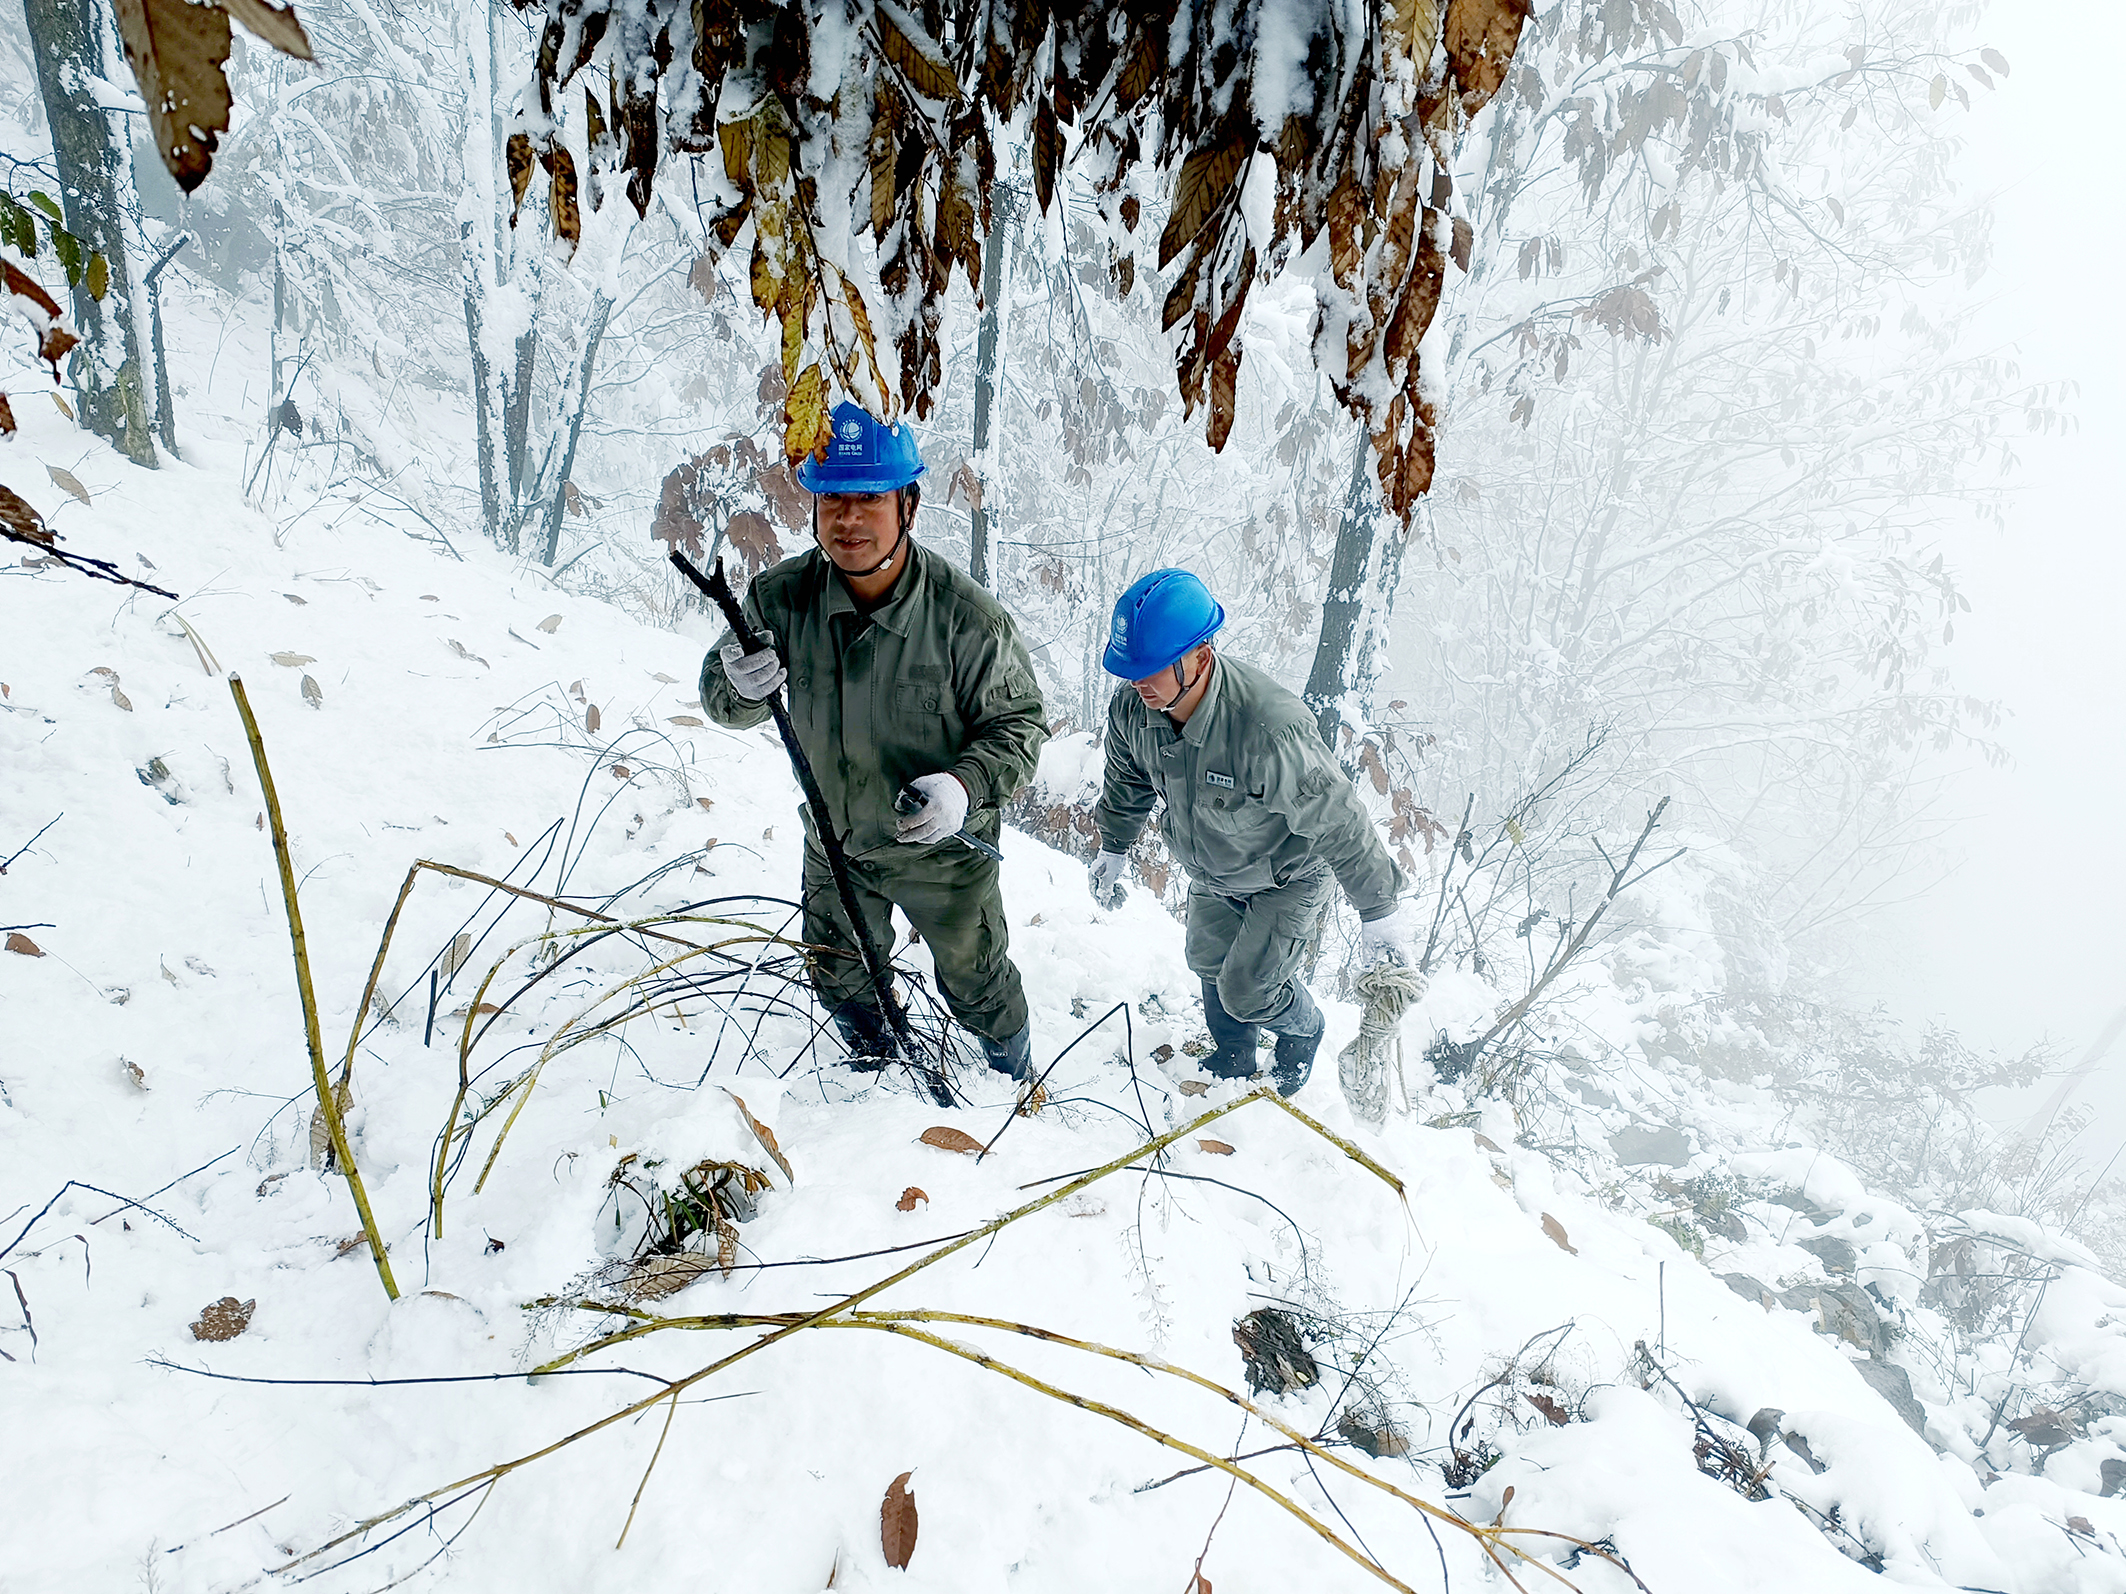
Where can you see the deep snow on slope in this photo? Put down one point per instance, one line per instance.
(155, 1051)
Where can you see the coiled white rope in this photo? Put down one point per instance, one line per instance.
(1390, 989)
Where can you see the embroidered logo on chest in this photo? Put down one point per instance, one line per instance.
(1211, 777)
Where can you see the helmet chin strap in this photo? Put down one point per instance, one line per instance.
(1183, 685)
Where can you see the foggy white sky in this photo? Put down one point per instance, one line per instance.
(2028, 939)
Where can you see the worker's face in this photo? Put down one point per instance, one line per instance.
(857, 530)
(1160, 691)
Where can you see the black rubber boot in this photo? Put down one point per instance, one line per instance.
(1299, 1030)
(1012, 1056)
(864, 1033)
(1235, 1056)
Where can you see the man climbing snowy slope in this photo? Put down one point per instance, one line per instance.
(1256, 811)
(902, 673)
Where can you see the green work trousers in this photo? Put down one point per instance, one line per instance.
(951, 895)
(1251, 947)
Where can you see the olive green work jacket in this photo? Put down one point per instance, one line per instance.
(935, 678)
(1253, 799)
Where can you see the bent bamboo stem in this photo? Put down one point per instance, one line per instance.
(327, 1098)
(842, 1314)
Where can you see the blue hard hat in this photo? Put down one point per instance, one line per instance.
(1160, 619)
(864, 455)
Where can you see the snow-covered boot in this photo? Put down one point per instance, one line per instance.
(1235, 1056)
(1013, 1055)
(1298, 1039)
(864, 1033)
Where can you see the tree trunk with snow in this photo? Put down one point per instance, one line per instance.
(72, 45)
(575, 399)
(988, 355)
(1338, 654)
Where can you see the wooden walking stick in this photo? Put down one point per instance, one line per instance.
(830, 841)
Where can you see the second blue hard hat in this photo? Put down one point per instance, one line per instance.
(1161, 618)
(864, 455)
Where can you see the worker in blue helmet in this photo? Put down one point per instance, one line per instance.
(903, 675)
(1256, 811)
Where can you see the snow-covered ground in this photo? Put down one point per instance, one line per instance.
(420, 707)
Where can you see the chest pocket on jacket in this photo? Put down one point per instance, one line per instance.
(918, 697)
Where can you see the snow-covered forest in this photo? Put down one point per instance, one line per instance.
(1565, 399)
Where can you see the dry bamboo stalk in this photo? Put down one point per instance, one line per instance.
(327, 1100)
(662, 1435)
(467, 1039)
(554, 1047)
(1060, 1193)
(1136, 1424)
(789, 1324)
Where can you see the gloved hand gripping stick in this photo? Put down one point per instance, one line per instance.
(719, 592)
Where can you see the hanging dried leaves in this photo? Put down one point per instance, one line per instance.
(41, 310)
(1136, 102)
(897, 1524)
(178, 51)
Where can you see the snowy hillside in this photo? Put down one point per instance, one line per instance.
(1510, 1340)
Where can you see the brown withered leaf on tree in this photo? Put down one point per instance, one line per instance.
(752, 535)
(702, 278)
(1225, 383)
(947, 1138)
(1047, 150)
(23, 523)
(518, 155)
(805, 414)
(1205, 183)
(561, 196)
(1481, 36)
(925, 74)
(177, 51)
(897, 1523)
(53, 339)
(276, 25)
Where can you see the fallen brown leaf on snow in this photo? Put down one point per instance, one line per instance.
(947, 1138)
(224, 1319)
(896, 1523)
(909, 1197)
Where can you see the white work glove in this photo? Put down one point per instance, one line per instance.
(1107, 878)
(944, 809)
(754, 675)
(1379, 937)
